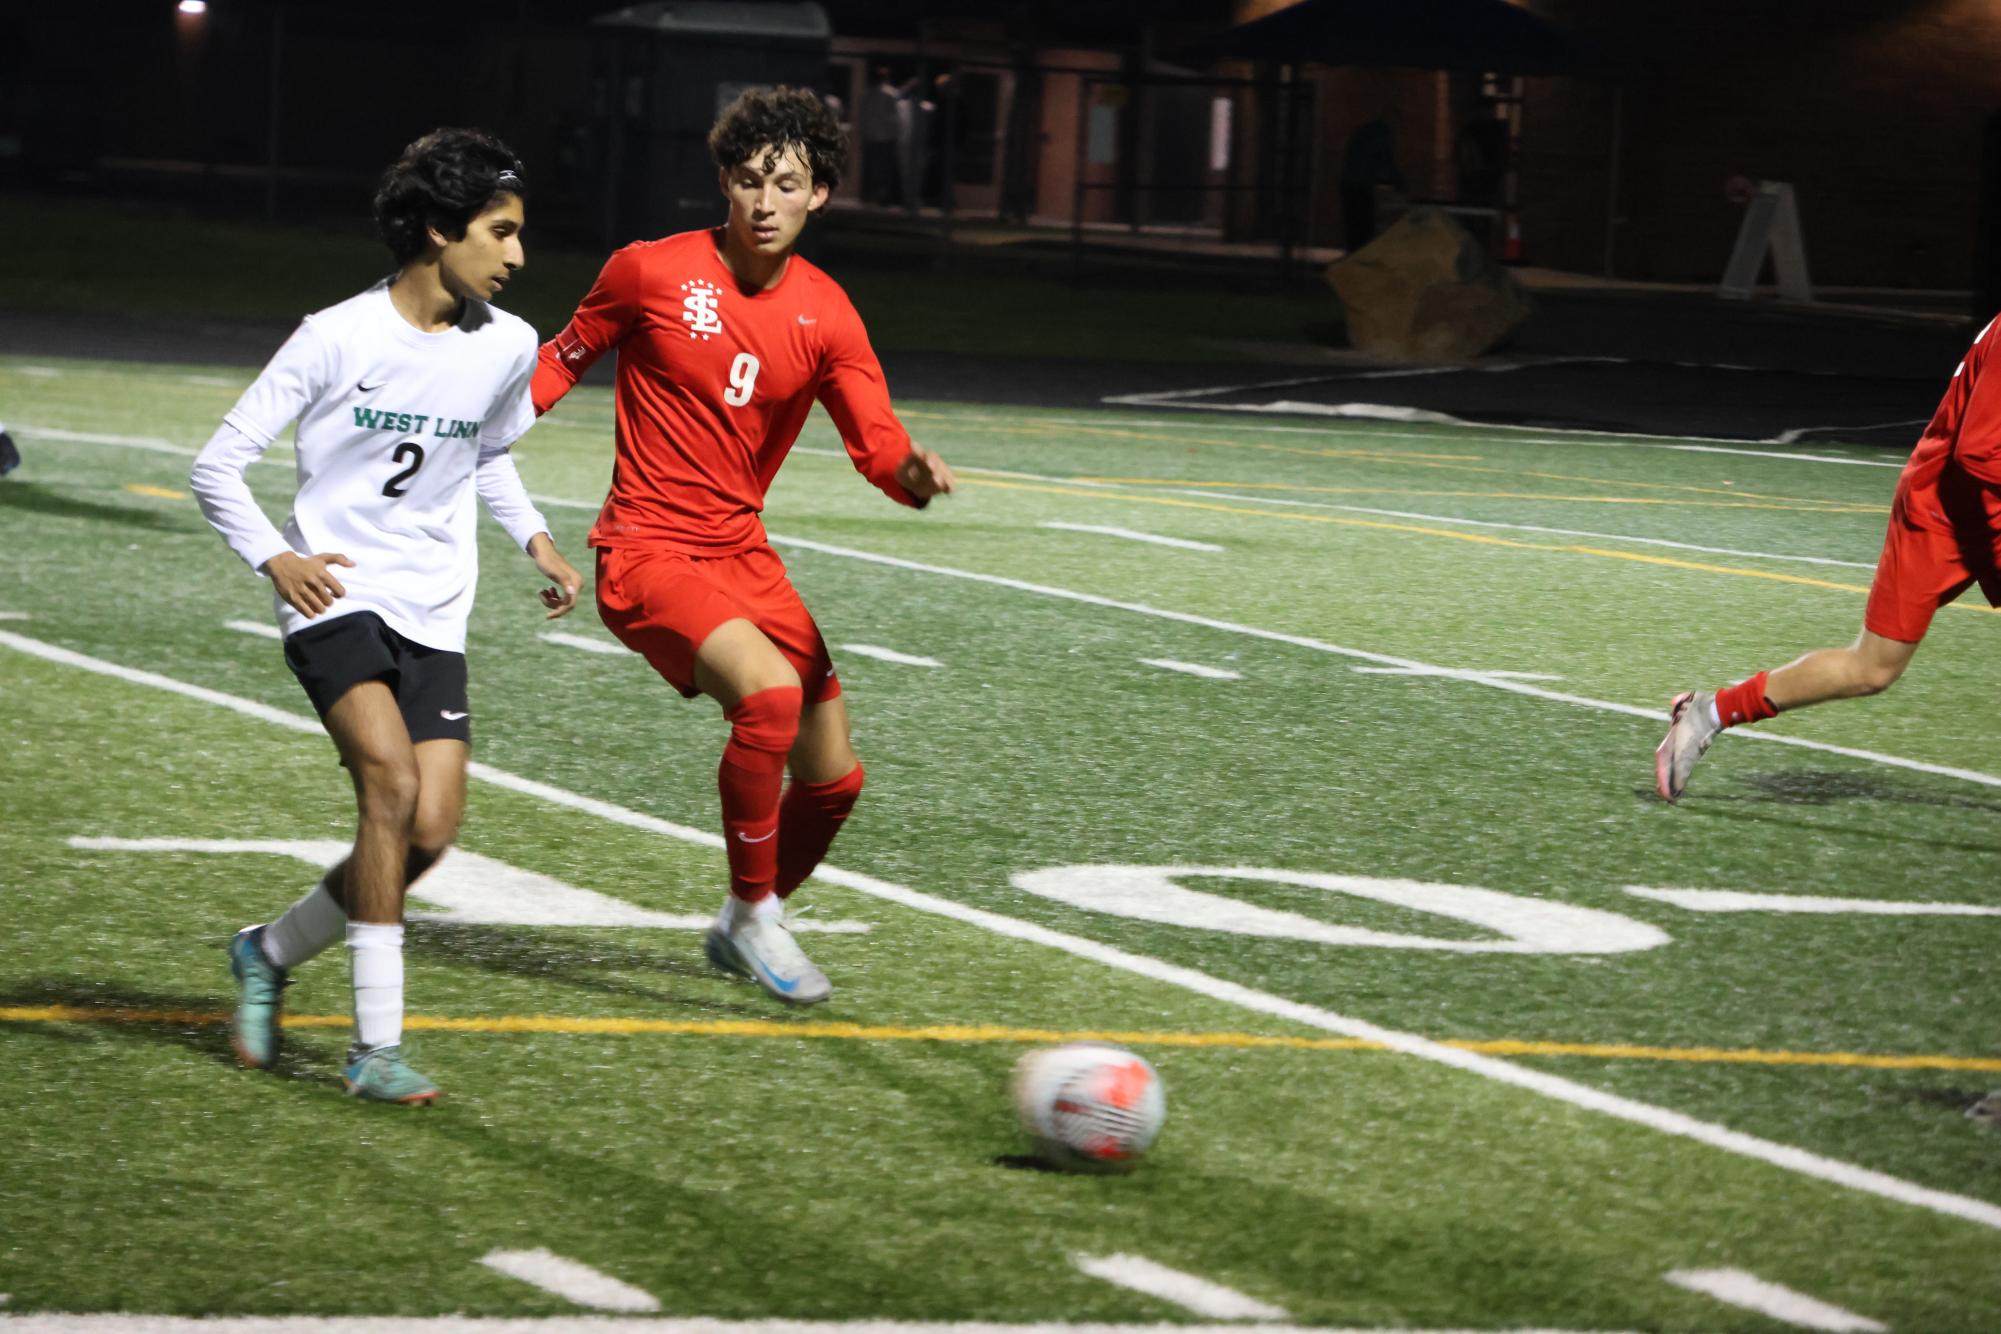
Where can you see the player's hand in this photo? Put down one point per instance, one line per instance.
(923, 474)
(305, 581)
(560, 599)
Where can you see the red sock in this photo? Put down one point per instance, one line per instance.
(763, 727)
(1744, 702)
(808, 819)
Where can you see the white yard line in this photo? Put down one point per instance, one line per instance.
(1525, 435)
(277, 453)
(1487, 679)
(1752, 1293)
(258, 628)
(1724, 900)
(45, 372)
(1784, 1156)
(1184, 400)
(564, 502)
(1128, 490)
(1141, 1275)
(1131, 535)
(571, 1280)
(889, 655)
(1778, 454)
(1412, 671)
(585, 642)
(13, 616)
(601, 1324)
(1524, 528)
(1192, 669)
(147, 442)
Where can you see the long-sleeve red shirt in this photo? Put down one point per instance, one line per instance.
(714, 385)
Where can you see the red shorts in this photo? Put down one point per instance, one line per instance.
(662, 605)
(1945, 536)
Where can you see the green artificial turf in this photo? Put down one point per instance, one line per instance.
(769, 1175)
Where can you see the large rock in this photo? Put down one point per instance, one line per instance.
(1425, 292)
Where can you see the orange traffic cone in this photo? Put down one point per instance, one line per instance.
(1511, 248)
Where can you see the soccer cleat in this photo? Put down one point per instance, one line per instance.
(380, 1074)
(762, 950)
(1689, 734)
(10, 456)
(1987, 1110)
(260, 999)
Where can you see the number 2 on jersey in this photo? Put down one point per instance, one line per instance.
(743, 375)
(397, 485)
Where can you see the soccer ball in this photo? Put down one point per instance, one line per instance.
(1089, 1106)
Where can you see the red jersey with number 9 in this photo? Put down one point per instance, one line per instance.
(714, 384)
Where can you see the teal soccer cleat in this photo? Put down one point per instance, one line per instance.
(763, 950)
(260, 999)
(380, 1074)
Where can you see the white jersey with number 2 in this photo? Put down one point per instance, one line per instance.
(398, 429)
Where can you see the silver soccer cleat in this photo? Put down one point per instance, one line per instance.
(1689, 735)
(761, 949)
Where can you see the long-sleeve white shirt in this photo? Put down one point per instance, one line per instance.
(398, 430)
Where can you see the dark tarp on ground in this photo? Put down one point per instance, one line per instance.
(1473, 35)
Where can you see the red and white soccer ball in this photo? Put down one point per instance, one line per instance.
(1089, 1106)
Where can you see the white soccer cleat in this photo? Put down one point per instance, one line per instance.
(1689, 735)
(761, 949)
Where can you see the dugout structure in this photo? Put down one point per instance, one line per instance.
(659, 75)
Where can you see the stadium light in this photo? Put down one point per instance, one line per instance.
(192, 8)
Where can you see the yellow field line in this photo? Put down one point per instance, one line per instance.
(1799, 507)
(771, 1028)
(1448, 462)
(1483, 539)
(141, 489)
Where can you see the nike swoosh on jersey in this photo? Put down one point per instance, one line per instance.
(804, 320)
(450, 716)
(368, 388)
(742, 837)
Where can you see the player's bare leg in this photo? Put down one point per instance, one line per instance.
(367, 728)
(1869, 666)
(824, 751)
(760, 695)
(441, 803)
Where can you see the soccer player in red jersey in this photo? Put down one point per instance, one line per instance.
(1944, 537)
(725, 339)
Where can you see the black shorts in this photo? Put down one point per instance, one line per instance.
(429, 683)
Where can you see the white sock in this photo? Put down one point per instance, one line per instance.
(376, 950)
(1715, 718)
(307, 928)
(735, 911)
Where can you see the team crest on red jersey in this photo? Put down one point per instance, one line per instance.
(701, 308)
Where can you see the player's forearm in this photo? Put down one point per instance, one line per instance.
(875, 439)
(506, 499)
(225, 499)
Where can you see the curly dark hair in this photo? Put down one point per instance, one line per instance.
(781, 118)
(444, 180)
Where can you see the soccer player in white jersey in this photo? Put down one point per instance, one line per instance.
(407, 398)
